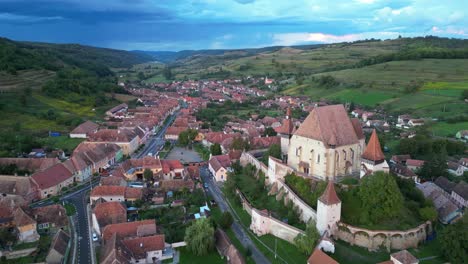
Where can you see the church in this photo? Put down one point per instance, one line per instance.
(327, 145)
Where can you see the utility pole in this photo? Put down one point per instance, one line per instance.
(276, 240)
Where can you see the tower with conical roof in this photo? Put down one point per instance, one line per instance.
(373, 159)
(328, 210)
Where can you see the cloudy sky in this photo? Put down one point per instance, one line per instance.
(215, 24)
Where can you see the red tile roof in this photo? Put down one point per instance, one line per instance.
(330, 197)
(108, 190)
(130, 229)
(85, 128)
(141, 245)
(52, 176)
(110, 213)
(373, 150)
(330, 125)
(220, 161)
(170, 165)
(415, 163)
(319, 257)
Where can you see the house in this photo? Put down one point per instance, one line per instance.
(415, 122)
(130, 229)
(462, 135)
(133, 169)
(30, 165)
(52, 180)
(89, 158)
(176, 185)
(401, 257)
(147, 249)
(127, 139)
(172, 133)
(460, 194)
(264, 142)
(58, 249)
(19, 188)
(447, 210)
(50, 218)
(226, 249)
(116, 111)
(319, 257)
(115, 193)
(108, 213)
(327, 144)
(464, 163)
(400, 159)
(113, 181)
(84, 129)
(414, 164)
(403, 172)
(25, 225)
(219, 166)
(172, 169)
(403, 119)
(455, 168)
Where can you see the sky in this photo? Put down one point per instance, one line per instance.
(174, 25)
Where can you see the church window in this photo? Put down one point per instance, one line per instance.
(345, 154)
(352, 154)
(318, 158)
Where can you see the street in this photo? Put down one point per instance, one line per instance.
(84, 249)
(156, 142)
(238, 230)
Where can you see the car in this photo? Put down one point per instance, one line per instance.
(95, 237)
(206, 185)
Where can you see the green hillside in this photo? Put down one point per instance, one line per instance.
(54, 87)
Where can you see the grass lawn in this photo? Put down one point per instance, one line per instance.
(361, 97)
(429, 249)
(445, 85)
(284, 249)
(446, 129)
(62, 142)
(202, 151)
(345, 253)
(187, 257)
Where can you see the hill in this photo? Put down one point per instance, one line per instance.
(53, 87)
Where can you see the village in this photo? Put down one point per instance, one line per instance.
(282, 168)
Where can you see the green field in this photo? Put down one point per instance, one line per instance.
(367, 98)
(446, 129)
(187, 257)
(25, 78)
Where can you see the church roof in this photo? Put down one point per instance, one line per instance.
(330, 197)
(329, 124)
(373, 150)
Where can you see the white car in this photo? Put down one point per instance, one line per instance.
(95, 237)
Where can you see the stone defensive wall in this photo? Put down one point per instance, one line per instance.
(263, 223)
(248, 158)
(305, 212)
(389, 239)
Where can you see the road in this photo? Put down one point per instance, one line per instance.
(156, 142)
(236, 227)
(85, 250)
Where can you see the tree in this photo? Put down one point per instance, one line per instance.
(215, 149)
(352, 106)
(141, 76)
(454, 241)
(428, 213)
(306, 243)
(200, 237)
(187, 136)
(380, 196)
(7, 237)
(464, 95)
(436, 166)
(240, 144)
(148, 175)
(269, 132)
(275, 151)
(226, 220)
(167, 73)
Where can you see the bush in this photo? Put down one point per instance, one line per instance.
(226, 220)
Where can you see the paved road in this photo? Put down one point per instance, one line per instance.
(156, 142)
(239, 231)
(84, 250)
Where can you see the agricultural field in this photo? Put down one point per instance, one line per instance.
(33, 79)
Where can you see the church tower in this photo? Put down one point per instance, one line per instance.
(373, 159)
(328, 210)
(285, 131)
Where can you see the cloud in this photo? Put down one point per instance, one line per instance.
(450, 31)
(288, 39)
(10, 17)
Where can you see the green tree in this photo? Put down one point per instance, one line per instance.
(240, 144)
(226, 220)
(200, 237)
(269, 132)
(215, 149)
(148, 175)
(141, 76)
(275, 151)
(436, 166)
(306, 243)
(428, 213)
(167, 73)
(7, 237)
(380, 196)
(454, 241)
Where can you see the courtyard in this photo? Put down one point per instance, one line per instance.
(185, 155)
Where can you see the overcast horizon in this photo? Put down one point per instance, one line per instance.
(173, 25)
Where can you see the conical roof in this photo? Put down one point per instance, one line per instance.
(373, 150)
(329, 196)
(288, 112)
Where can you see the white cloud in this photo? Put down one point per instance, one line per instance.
(21, 18)
(288, 39)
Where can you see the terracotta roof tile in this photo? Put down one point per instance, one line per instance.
(373, 151)
(319, 257)
(85, 128)
(329, 196)
(129, 229)
(52, 176)
(329, 124)
(141, 245)
(110, 213)
(404, 257)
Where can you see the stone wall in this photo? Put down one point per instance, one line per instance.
(306, 212)
(263, 223)
(389, 239)
(248, 158)
(17, 253)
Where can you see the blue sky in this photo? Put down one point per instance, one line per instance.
(216, 24)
